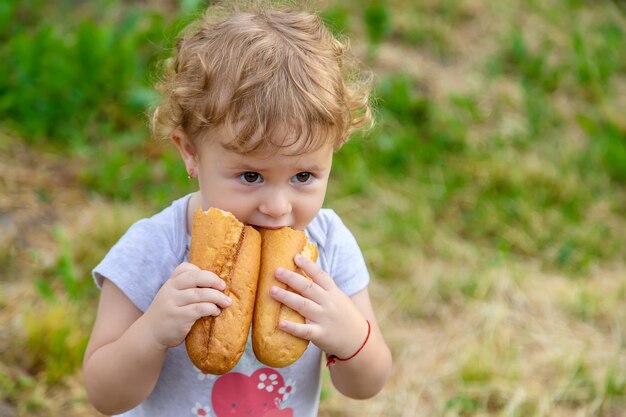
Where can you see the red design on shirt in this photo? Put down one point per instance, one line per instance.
(258, 395)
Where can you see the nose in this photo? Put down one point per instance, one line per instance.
(275, 204)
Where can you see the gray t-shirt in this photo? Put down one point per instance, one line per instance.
(144, 258)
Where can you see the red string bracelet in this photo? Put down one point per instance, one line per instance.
(332, 359)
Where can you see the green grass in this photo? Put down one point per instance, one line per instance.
(489, 199)
(62, 83)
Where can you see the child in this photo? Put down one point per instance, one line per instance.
(256, 105)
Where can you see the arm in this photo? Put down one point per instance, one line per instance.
(122, 361)
(364, 375)
(337, 325)
(127, 348)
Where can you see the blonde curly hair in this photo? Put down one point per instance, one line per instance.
(272, 78)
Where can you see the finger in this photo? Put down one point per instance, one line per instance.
(183, 268)
(204, 295)
(302, 330)
(208, 279)
(307, 308)
(197, 310)
(315, 272)
(300, 284)
(199, 278)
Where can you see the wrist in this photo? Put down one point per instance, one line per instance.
(152, 340)
(333, 359)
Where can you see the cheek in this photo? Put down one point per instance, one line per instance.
(240, 207)
(228, 198)
(307, 208)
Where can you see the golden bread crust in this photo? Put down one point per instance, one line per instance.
(223, 245)
(272, 346)
(246, 260)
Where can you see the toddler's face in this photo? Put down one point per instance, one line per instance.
(267, 191)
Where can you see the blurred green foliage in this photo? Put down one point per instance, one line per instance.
(80, 77)
(337, 18)
(77, 77)
(55, 340)
(377, 17)
(73, 81)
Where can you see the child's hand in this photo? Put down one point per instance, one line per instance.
(332, 321)
(190, 293)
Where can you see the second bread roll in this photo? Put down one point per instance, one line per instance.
(272, 346)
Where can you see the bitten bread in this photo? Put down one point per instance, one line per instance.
(223, 245)
(271, 345)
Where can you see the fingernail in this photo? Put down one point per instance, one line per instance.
(280, 271)
(299, 258)
(229, 300)
(274, 290)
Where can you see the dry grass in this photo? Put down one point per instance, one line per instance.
(526, 343)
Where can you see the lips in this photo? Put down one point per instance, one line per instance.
(256, 226)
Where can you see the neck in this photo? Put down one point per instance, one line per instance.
(192, 206)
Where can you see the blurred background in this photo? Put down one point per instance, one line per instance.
(489, 200)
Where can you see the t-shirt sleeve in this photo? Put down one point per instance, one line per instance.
(139, 263)
(342, 257)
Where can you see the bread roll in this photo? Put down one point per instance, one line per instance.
(222, 244)
(271, 345)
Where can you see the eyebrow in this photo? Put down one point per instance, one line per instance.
(299, 167)
(243, 163)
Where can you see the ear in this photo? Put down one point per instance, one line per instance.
(187, 150)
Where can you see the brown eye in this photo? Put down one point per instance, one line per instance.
(251, 177)
(302, 177)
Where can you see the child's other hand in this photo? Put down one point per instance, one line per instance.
(332, 321)
(190, 293)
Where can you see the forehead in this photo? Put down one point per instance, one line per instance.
(280, 139)
(219, 156)
(286, 159)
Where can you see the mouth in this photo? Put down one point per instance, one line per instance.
(268, 227)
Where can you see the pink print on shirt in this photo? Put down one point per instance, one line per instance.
(258, 395)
